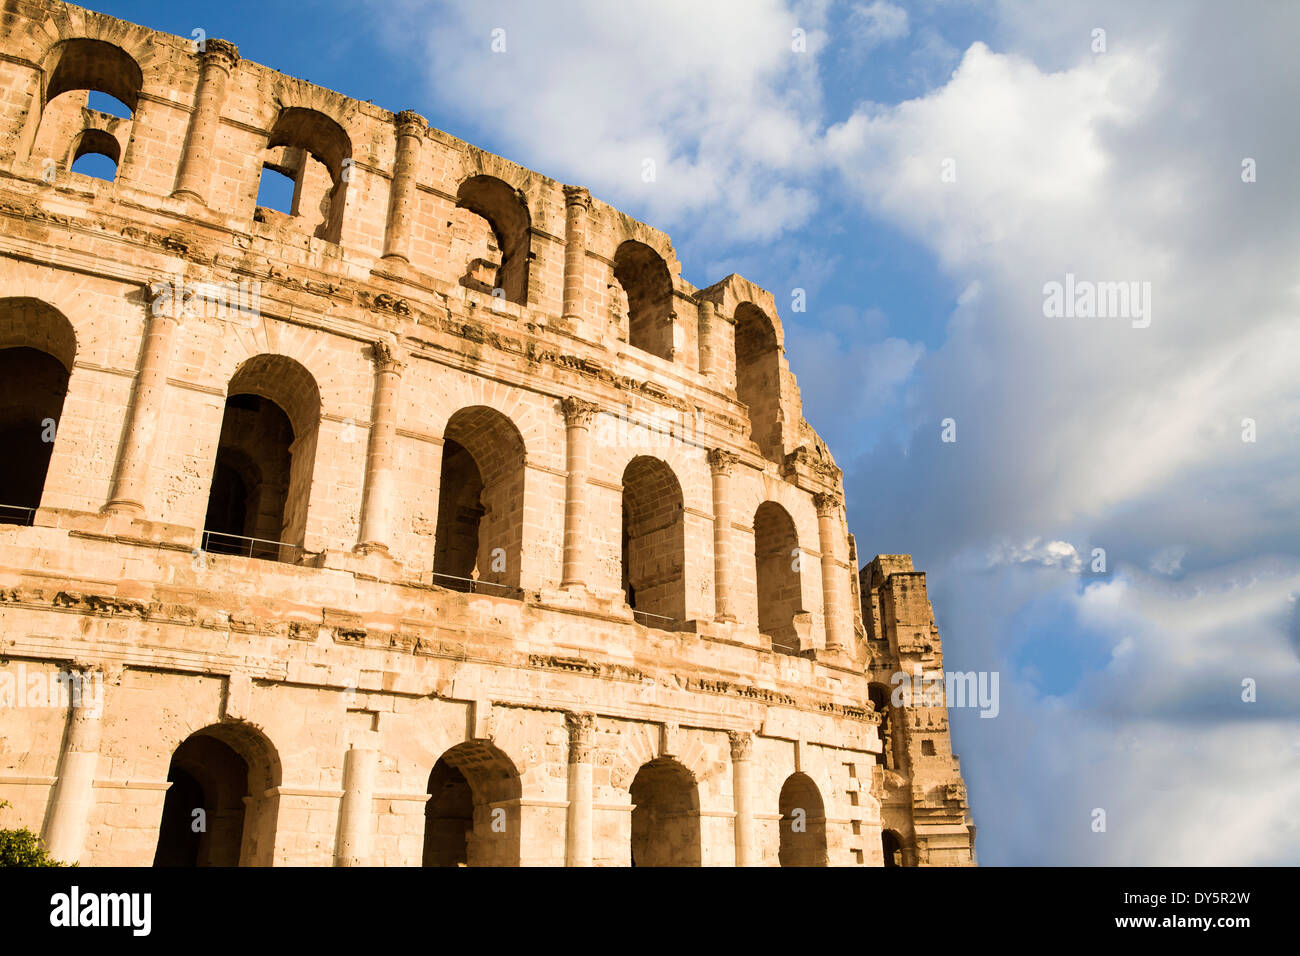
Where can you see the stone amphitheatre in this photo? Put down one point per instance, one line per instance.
(433, 520)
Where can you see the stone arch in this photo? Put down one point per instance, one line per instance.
(228, 770)
(480, 530)
(472, 816)
(648, 288)
(803, 823)
(665, 815)
(269, 432)
(509, 222)
(778, 571)
(654, 542)
(758, 377)
(320, 192)
(38, 347)
(83, 63)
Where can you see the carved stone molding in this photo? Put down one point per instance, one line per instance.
(742, 744)
(221, 53)
(582, 736)
(577, 196)
(722, 461)
(579, 413)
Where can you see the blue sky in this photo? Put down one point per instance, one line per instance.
(823, 169)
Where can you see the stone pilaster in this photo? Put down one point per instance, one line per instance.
(74, 791)
(133, 478)
(834, 589)
(411, 128)
(722, 464)
(578, 832)
(353, 847)
(578, 417)
(742, 752)
(376, 526)
(216, 64)
(577, 206)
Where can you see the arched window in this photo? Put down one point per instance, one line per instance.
(881, 700)
(312, 152)
(647, 292)
(493, 225)
(472, 815)
(803, 823)
(37, 349)
(892, 848)
(89, 97)
(778, 564)
(479, 537)
(758, 377)
(261, 481)
(654, 543)
(665, 815)
(97, 154)
(219, 777)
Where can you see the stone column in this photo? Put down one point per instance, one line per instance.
(411, 127)
(834, 598)
(132, 478)
(577, 204)
(216, 63)
(358, 805)
(582, 732)
(742, 750)
(578, 416)
(381, 465)
(722, 464)
(708, 348)
(74, 791)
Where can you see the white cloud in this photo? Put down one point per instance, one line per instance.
(871, 24)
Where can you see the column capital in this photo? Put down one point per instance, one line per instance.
(742, 744)
(723, 462)
(577, 196)
(410, 123)
(827, 502)
(387, 356)
(221, 53)
(578, 412)
(582, 735)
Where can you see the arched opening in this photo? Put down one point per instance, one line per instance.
(892, 847)
(96, 154)
(881, 695)
(758, 377)
(654, 543)
(803, 823)
(780, 587)
(493, 222)
(261, 480)
(472, 815)
(319, 186)
(37, 349)
(665, 815)
(218, 810)
(647, 289)
(90, 87)
(479, 537)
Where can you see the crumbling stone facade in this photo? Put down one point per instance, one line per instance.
(431, 520)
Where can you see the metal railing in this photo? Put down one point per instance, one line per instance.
(474, 586)
(17, 514)
(659, 621)
(241, 546)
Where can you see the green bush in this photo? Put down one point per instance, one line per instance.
(23, 848)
